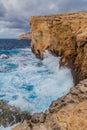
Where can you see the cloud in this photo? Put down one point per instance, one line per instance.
(9, 33)
(72, 5)
(2, 10)
(15, 14)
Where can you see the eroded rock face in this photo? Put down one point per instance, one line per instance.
(63, 35)
(10, 115)
(66, 113)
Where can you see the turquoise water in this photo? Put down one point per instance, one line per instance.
(29, 83)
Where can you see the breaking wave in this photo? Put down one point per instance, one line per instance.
(29, 83)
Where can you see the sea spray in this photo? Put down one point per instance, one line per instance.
(8, 128)
(31, 84)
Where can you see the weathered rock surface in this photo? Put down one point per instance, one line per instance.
(10, 115)
(66, 113)
(63, 35)
(26, 36)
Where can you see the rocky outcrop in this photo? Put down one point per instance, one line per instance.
(26, 36)
(66, 113)
(63, 35)
(10, 115)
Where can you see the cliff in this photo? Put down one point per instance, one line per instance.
(63, 35)
(26, 36)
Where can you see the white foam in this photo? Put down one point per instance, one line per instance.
(20, 102)
(46, 79)
(3, 56)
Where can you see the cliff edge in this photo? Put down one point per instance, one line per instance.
(64, 35)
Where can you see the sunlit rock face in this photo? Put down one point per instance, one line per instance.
(64, 35)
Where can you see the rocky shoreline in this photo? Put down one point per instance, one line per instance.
(67, 113)
(64, 35)
(10, 115)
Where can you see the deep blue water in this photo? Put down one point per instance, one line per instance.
(27, 82)
(13, 44)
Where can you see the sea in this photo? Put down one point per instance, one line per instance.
(28, 83)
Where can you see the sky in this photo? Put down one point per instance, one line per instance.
(15, 14)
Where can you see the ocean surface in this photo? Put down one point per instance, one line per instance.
(28, 83)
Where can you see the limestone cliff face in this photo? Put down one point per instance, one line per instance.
(63, 35)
